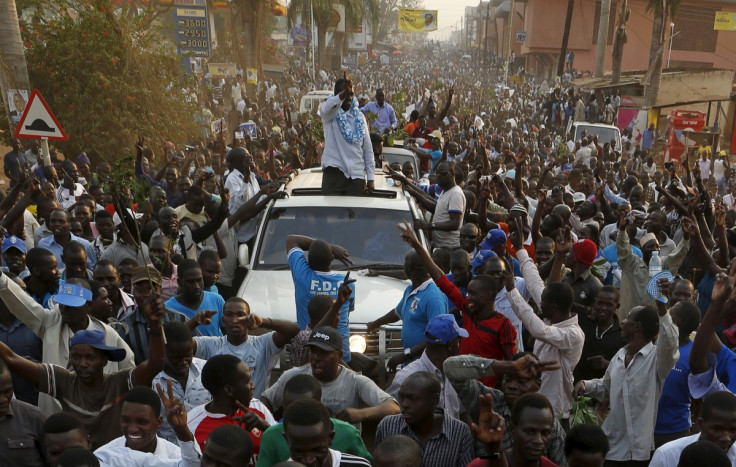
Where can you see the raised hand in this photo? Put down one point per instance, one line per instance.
(344, 292)
(720, 215)
(491, 426)
(564, 241)
(407, 234)
(251, 321)
(517, 235)
(341, 254)
(721, 288)
(530, 367)
(176, 412)
(204, 317)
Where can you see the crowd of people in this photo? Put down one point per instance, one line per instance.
(547, 320)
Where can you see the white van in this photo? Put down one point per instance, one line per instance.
(312, 100)
(605, 133)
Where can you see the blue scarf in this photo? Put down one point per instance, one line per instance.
(342, 121)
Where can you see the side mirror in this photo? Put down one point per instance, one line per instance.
(243, 255)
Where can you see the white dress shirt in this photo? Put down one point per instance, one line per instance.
(355, 160)
(634, 394)
(561, 341)
(116, 453)
(669, 454)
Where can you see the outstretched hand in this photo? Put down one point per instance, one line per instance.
(530, 367)
(407, 234)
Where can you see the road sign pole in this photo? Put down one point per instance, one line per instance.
(45, 152)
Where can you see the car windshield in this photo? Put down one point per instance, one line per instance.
(369, 235)
(605, 135)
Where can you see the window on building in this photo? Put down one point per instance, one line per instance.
(611, 22)
(694, 29)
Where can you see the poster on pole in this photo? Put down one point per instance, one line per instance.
(417, 20)
(17, 99)
(251, 75)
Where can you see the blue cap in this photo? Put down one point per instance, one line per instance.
(14, 242)
(567, 167)
(72, 295)
(442, 329)
(481, 257)
(494, 237)
(96, 339)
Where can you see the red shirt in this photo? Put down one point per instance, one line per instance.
(494, 337)
(510, 248)
(201, 423)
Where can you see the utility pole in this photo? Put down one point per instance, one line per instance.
(565, 37)
(485, 34)
(600, 51)
(13, 68)
(511, 28)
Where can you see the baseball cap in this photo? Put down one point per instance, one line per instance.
(494, 237)
(325, 338)
(96, 339)
(481, 257)
(14, 242)
(578, 197)
(442, 329)
(72, 295)
(144, 273)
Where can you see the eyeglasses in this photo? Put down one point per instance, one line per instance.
(468, 236)
(442, 173)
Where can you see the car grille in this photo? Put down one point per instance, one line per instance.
(386, 340)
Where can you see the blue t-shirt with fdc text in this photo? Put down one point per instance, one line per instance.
(210, 301)
(309, 283)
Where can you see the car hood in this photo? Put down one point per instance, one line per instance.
(271, 294)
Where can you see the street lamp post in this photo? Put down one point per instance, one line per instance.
(672, 35)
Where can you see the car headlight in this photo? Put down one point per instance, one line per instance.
(357, 343)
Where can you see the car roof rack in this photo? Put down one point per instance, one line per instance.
(317, 191)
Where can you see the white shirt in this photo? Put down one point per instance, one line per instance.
(355, 160)
(240, 192)
(116, 454)
(669, 454)
(503, 305)
(561, 341)
(634, 394)
(704, 168)
(67, 198)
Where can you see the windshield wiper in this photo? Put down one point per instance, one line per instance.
(384, 266)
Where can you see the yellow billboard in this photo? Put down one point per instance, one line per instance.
(725, 21)
(417, 20)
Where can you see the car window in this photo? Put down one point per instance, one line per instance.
(369, 235)
(605, 135)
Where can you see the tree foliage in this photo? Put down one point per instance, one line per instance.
(108, 77)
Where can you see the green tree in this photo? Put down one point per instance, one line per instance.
(109, 77)
(355, 12)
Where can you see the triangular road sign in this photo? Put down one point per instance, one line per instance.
(38, 122)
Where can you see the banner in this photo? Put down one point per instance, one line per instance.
(222, 70)
(725, 21)
(417, 20)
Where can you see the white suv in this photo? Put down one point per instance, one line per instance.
(365, 226)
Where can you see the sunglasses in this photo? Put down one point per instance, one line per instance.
(442, 173)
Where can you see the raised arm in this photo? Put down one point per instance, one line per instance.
(21, 366)
(408, 235)
(147, 370)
